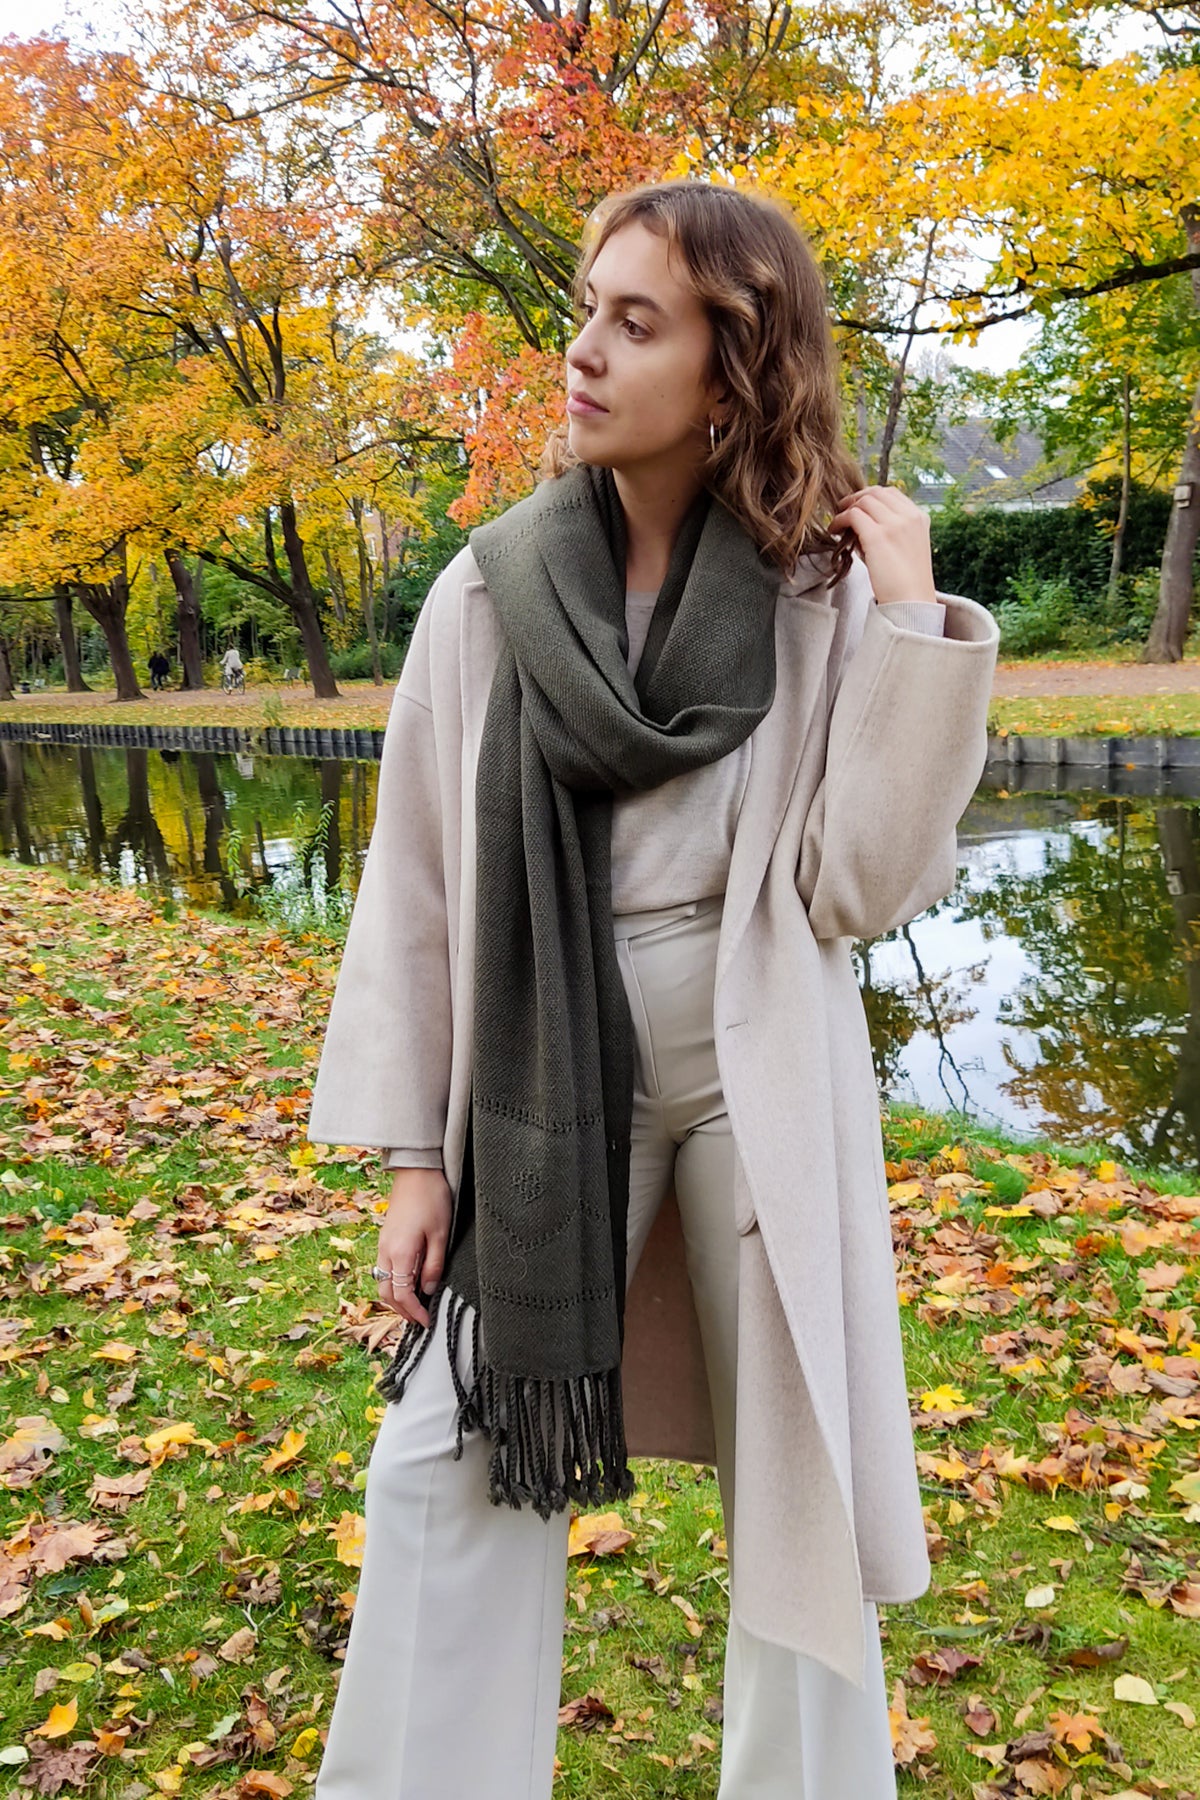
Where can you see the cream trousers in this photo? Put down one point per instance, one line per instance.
(451, 1684)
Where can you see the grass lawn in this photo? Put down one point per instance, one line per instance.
(1095, 715)
(190, 1345)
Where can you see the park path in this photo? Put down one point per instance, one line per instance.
(1013, 680)
(1021, 681)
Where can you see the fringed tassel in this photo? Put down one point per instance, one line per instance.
(414, 1341)
(525, 1418)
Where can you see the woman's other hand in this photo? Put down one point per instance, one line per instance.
(893, 535)
(413, 1238)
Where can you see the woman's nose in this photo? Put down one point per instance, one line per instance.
(580, 354)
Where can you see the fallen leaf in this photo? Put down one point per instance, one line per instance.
(61, 1720)
(169, 1438)
(116, 1493)
(349, 1535)
(240, 1647)
(598, 1534)
(286, 1451)
(1134, 1689)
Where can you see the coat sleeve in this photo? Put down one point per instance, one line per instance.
(412, 1159)
(906, 746)
(384, 1074)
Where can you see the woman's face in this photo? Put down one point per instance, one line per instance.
(641, 354)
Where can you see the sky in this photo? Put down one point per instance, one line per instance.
(998, 348)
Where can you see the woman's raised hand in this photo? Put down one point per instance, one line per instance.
(893, 535)
(413, 1238)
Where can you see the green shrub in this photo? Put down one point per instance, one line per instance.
(354, 664)
(1036, 616)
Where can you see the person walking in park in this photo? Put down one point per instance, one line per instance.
(232, 668)
(671, 732)
(159, 669)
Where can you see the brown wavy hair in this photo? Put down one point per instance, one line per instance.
(781, 463)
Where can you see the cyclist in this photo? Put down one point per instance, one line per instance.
(233, 673)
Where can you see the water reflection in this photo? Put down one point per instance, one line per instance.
(166, 818)
(1055, 990)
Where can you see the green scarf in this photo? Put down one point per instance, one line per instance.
(538, 1237)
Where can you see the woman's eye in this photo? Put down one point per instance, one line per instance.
(587, 309)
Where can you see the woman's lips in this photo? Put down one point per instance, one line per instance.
(584, 408)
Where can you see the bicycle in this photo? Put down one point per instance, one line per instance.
(233, 681)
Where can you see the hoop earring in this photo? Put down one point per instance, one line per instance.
(712, 439)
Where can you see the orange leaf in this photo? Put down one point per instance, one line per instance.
(261, 1781)
(62, 1719)
(286, 1451)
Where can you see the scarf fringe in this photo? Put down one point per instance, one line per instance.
(527, 1463)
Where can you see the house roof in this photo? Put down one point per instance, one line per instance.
(981, 471)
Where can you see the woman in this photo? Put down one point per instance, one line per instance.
(670, 732)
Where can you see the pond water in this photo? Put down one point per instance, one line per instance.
(1056, 990)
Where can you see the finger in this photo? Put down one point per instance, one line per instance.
(431, 1270)
(404, 1290)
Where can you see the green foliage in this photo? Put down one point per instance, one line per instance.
(300, 897)
(977, 553)
(423, 559)
(354, 664)
(1037, 615)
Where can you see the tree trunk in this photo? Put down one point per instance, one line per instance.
(1175, 593)
(862, 428)
(187, 621)
(337, 592)
(366, 590)
(304, 607)
(896, 396)
(107, 605)
(1118, 545)
(64, 624)
(385, 557)
(6, 680)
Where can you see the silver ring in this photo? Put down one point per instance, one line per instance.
(396, 1280)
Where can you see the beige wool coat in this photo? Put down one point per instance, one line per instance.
(860, 771)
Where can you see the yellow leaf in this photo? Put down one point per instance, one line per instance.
(901, 1192)
(161, 1443)
(597, 1534)
(305, 1743)
(79, 1671)
(942, 1399)
(168, 1781)
(61, 1720)
(117, 1353)
(1061, 1522)
(286, 1451)
(349, 1534)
